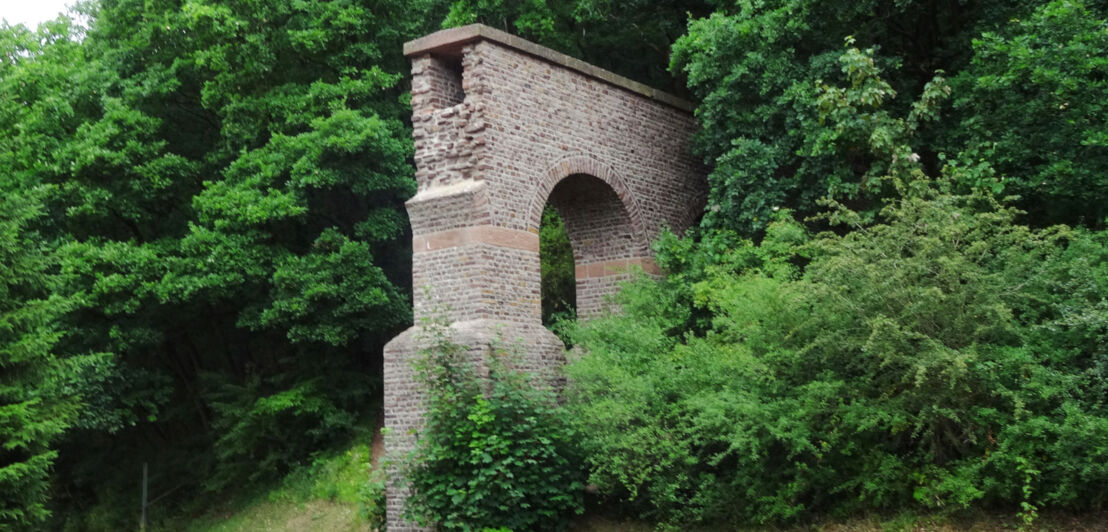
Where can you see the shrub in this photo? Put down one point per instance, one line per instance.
(371, 500)
(936, 355)
(496, 451)
(255, 418)
(945, 358)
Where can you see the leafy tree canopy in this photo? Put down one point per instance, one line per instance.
(758, 68)
(223, 187)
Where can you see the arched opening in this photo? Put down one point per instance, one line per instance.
(601, 240)
(559, 283)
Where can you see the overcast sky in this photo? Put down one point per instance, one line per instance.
(31, 12)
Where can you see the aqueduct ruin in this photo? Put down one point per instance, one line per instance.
(503, 127)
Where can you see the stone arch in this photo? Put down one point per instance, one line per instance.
(602, 220)
(582, 165)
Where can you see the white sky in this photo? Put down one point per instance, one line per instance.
(31, 12)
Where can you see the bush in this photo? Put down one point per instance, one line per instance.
(935, 355)
(371, 501)
(945, 358)
(496, 451)
(255, 419)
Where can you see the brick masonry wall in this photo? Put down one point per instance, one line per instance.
(521, 127)
(541, 115)
(595, 220)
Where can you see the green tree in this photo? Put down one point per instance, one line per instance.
(757, 68)
(34, 406)
(39, 384)
(1032, 102)
(225, 186)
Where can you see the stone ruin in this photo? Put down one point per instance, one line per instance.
(502, 128)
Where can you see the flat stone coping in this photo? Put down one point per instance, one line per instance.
(450, 41)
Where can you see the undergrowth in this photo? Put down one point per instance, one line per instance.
(496, 451)
(335, 491)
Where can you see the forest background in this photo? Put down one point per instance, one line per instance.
(901, 273)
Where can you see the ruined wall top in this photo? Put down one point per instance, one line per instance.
(450, 42)
(499, 123)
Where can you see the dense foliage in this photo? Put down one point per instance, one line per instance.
(35, 408)
(221, 188)
(939, 356)
(944, 358)
(39, 396)
(1033, 102)
(1020, 69)
(496, 451)
(203, 249)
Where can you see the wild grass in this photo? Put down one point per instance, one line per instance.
(329, 494)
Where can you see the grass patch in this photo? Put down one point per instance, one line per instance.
(335, 492)
(265, 515)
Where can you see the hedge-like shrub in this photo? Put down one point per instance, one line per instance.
(496, 451)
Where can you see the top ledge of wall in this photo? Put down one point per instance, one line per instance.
(450, 42)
